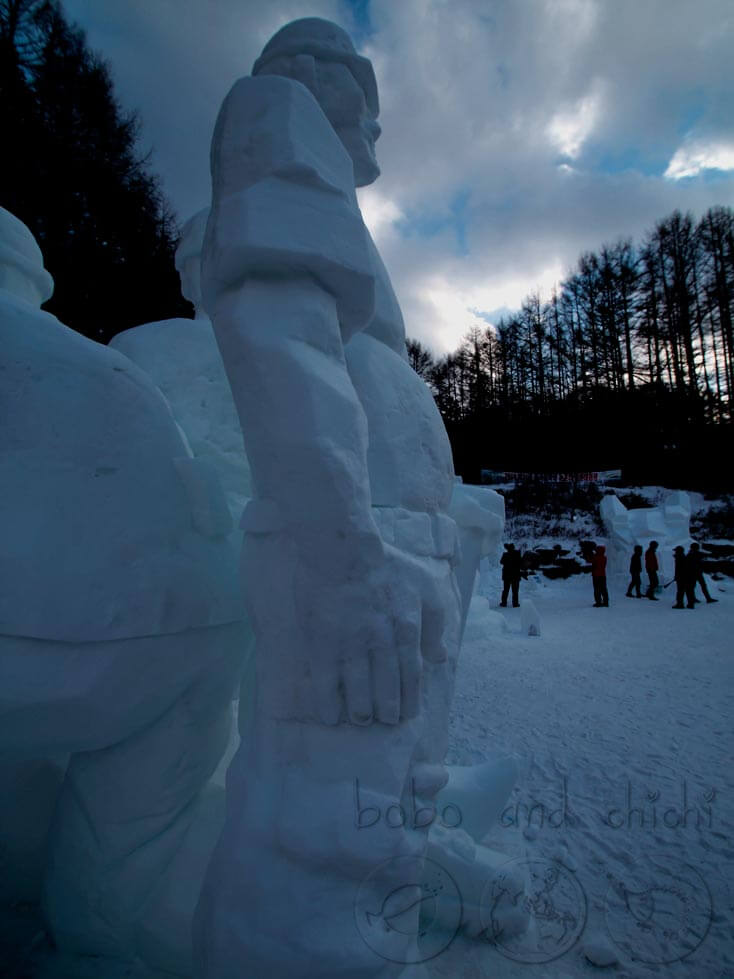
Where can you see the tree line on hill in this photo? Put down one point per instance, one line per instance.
(629, 364)
(71, 171)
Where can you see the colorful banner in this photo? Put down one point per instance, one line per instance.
(597, 476)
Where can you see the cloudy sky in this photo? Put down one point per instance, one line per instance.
(516, 133)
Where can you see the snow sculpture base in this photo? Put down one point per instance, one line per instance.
(529, 618)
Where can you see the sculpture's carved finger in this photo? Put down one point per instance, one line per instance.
(408, 644)
(433, 624)
(327, 698)
(357, 686)
(385, 677)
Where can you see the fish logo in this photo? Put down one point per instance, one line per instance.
(408, 910)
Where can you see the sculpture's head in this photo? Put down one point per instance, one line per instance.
(21, 262)
(188, 258)
(321, 56)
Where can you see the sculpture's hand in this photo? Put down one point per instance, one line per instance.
(366, 637)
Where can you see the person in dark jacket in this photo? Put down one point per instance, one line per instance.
(635, 573)
(599, 577)
(684, 584)
(511, 562)
(696, 572)
(651, 566)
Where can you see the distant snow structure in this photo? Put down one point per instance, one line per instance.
(181, 356)
(668, 524)
(529, 618)
(479, 513)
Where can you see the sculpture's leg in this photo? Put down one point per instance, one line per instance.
(427, 765)
(482, 789)
(125, 809)
(313, 812)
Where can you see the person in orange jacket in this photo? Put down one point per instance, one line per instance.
(599, 577)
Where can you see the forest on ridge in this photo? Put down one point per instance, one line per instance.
(629, 364)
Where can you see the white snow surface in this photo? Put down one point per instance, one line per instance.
(634, 694)
(637, 695)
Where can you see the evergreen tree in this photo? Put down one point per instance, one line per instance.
(72, 173)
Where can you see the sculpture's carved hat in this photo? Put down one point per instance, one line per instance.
(326, 41)
(19, 250)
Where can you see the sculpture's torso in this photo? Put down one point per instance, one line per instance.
(92, 490)
(409, 456)
(285, 215)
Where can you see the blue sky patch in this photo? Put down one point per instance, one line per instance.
(428, 223)
(362, 22)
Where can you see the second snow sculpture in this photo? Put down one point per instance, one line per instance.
(121, 632)
(181, 356)
(349, 556)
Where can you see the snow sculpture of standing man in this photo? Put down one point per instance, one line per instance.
(349, 554)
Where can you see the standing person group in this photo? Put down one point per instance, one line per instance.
(688, 574)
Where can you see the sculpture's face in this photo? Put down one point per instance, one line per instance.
(343, 102)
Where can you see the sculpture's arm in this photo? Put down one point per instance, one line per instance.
(287, 279)
(366, 611)
(304, 428)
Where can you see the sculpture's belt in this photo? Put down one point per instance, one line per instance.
(423, 534)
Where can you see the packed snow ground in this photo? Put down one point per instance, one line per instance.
(636, 697)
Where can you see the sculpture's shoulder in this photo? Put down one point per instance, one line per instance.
(98, 484)
(283, 200)
(273, 126)
(72, 372)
